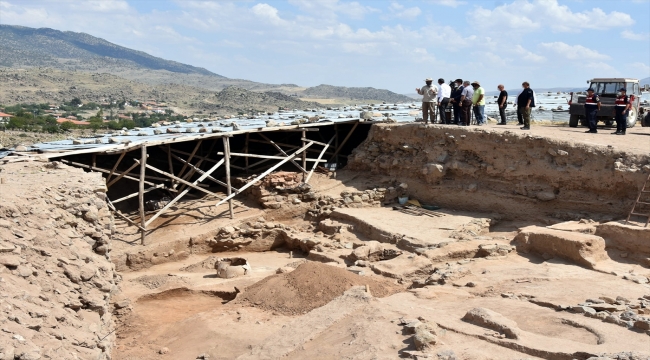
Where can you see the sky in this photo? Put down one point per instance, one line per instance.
(392, 45)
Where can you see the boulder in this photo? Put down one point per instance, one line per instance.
(403, 266)
(625, 237)
(494, 321)
(583, 249)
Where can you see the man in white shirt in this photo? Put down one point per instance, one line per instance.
(444, 93)
(429, 97)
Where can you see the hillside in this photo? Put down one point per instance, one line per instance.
(75, 56)
(360, 93)
(43, 85)
(23, 46)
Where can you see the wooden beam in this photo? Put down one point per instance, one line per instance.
(212, 169)
(246, 152)
(319, 156)
(304, 154)
(188, 176)
(202, 172)
(121, 175)
(291, 147)
(189, 160)
(250, 183)
(159, 186)
(281, 151)
(344, 141)
(169, 160)
(192, 185)
(143, 169)
(205, 158)
(226, 149)
(315, 142)
(119, 160)
(336, 143)
(265, 156)
(116, 212)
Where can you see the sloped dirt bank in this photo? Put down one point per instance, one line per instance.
(56, 278)
(516, 174)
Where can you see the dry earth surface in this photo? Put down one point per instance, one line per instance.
(526, 259)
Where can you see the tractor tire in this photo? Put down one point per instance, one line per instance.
(646, 120)
(573, 120)
(583, 122)
(609, 123)
(631, 118)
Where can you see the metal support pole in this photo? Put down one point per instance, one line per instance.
(143, 168)
(226, 150)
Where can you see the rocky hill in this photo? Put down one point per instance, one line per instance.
(45, 85)
(44, 64)
(360, 93)
(23, 46)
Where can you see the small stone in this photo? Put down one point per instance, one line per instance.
(163, 351)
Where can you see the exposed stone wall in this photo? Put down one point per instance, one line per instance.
(56, 280)
(515, 174)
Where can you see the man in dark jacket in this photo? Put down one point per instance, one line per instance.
(455, 99)
(525, 101)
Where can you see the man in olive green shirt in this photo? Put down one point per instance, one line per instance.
(478, 102)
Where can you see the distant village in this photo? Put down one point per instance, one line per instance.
(109, 114)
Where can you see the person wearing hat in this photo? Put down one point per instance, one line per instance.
(592, 106)
(478, 102)
(429, 94)
(622, 108)
(455, 100)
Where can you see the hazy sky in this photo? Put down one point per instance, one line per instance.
(384, 44)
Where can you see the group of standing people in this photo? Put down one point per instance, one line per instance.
(467, 98)
(622, 109)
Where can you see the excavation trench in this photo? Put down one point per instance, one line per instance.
(526, 227)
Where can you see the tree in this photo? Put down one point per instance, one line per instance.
(75, 102)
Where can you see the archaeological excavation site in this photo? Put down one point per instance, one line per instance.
(328, 240)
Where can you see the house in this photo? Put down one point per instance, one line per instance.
(74, 121)
(4, 119)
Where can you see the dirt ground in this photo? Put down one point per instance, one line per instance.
(500, 271)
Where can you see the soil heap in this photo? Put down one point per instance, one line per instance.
(310, 286)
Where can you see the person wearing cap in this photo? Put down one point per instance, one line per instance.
(592, 106)
(525, 101)
(443, 100)
(429, 94)
(622, 108)
(478, 102)
(466, 104)
(455, 100)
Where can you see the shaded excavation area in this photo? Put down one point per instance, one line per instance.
(426, 242)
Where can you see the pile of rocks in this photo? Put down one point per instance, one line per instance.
(279, 189)
(324, 205)
(425, 334)
(620, 311)
(260, 235)
(56, 279)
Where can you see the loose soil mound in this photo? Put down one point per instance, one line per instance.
(310, 286)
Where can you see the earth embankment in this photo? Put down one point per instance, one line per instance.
(56, 278)
(516, 174)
